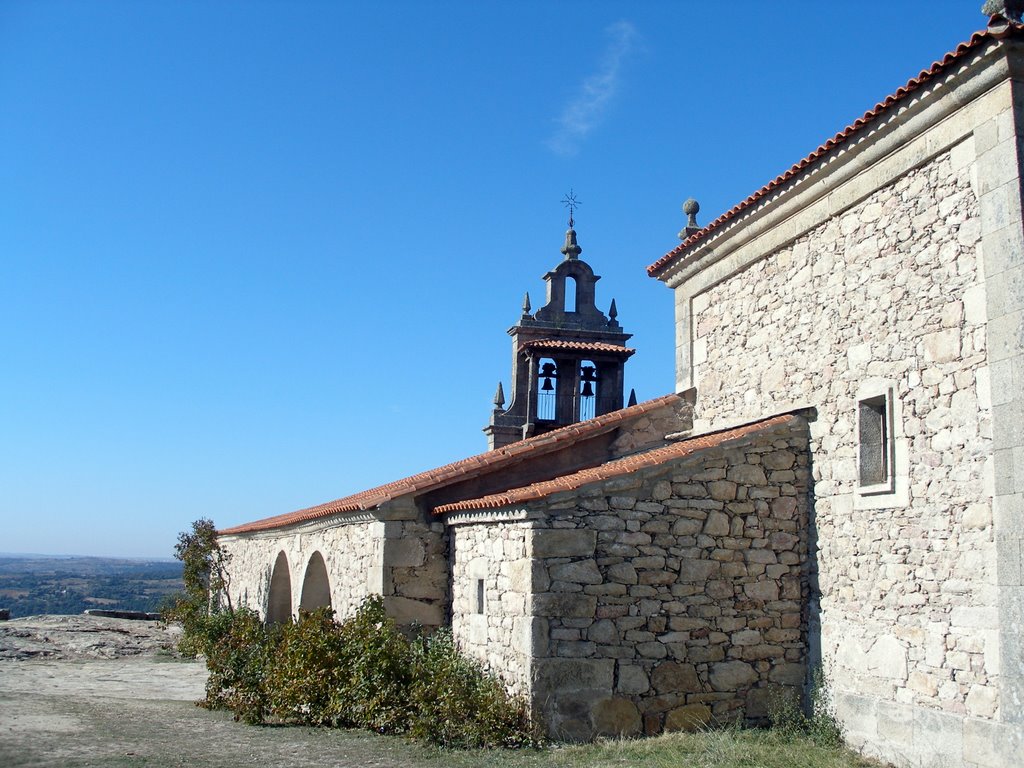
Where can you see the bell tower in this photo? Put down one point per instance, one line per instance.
(567, 357)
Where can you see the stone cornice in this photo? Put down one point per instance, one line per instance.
(351, 518)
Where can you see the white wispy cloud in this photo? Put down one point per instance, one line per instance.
(590, 104)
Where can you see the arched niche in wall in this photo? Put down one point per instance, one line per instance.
(316, 587)
(279, 602)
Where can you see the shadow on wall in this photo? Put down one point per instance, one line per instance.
(279, 600)
(316, 587)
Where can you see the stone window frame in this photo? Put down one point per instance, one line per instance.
(894, 491)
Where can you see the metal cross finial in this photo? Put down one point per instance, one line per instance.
(570, 202)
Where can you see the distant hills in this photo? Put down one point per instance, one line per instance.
(39, 584)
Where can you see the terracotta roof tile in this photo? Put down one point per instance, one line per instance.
(465, 469)
(977, 40)
(556, 345)
(616, 468)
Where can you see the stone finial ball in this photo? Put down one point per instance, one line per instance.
(691, 207)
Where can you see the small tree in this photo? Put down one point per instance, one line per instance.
(206, 588)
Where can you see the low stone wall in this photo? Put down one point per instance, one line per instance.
(674, 597)
(665, 599)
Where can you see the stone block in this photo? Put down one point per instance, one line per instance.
(887, 657)
(790, 673)
(747, 474)
(942, 346)
(981, 701)
(717, 524)
(991, 744)
(938, 735)
(779, 460)
(622, 573)
(673, 677)
(690, 717)
(732, 675)
(746, 637)
(579, 572)
(762, 590)
(405, 611)
(970, 617)
(564, 604)
(896, 725)
(561, 675)
(564, 543)
(616, 717)
(603, 631)
(632, 679)
(521, 576)
(698, 571)
(722, 490)
(657, 577)
(687, 527)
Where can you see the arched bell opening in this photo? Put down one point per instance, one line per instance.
(316, 586)
(279, 601)
(589, 390)
(570, 304)
(547, 389)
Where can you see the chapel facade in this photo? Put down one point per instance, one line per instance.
(835, 483)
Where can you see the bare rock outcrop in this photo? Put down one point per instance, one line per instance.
(84, 637)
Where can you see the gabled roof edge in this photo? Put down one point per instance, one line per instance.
(998, 30)
(458, 471)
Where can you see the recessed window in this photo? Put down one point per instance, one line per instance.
(875, 444)
(479, 595)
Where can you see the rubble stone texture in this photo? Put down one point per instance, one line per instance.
(901, 585)
(662, 600)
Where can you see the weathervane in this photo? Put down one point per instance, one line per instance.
(570, 202)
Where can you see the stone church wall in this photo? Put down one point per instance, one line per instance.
(889, 295)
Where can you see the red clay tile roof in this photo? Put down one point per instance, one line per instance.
(458, 471)
(978, 40)
(556, 345)
(615, 468)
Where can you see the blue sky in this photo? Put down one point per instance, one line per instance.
(257, 256)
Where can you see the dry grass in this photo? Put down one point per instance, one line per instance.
(728, 748)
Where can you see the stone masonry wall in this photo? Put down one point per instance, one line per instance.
(890, 291)
(402, 558)
(352, 554)
(500, 634)
(414, 577)
(674, 596)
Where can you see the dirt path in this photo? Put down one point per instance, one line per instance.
(84, 703)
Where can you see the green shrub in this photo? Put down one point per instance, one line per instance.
(310, 665)
(375, 692)
(457, 704)
(238, 662)
(362, 672)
